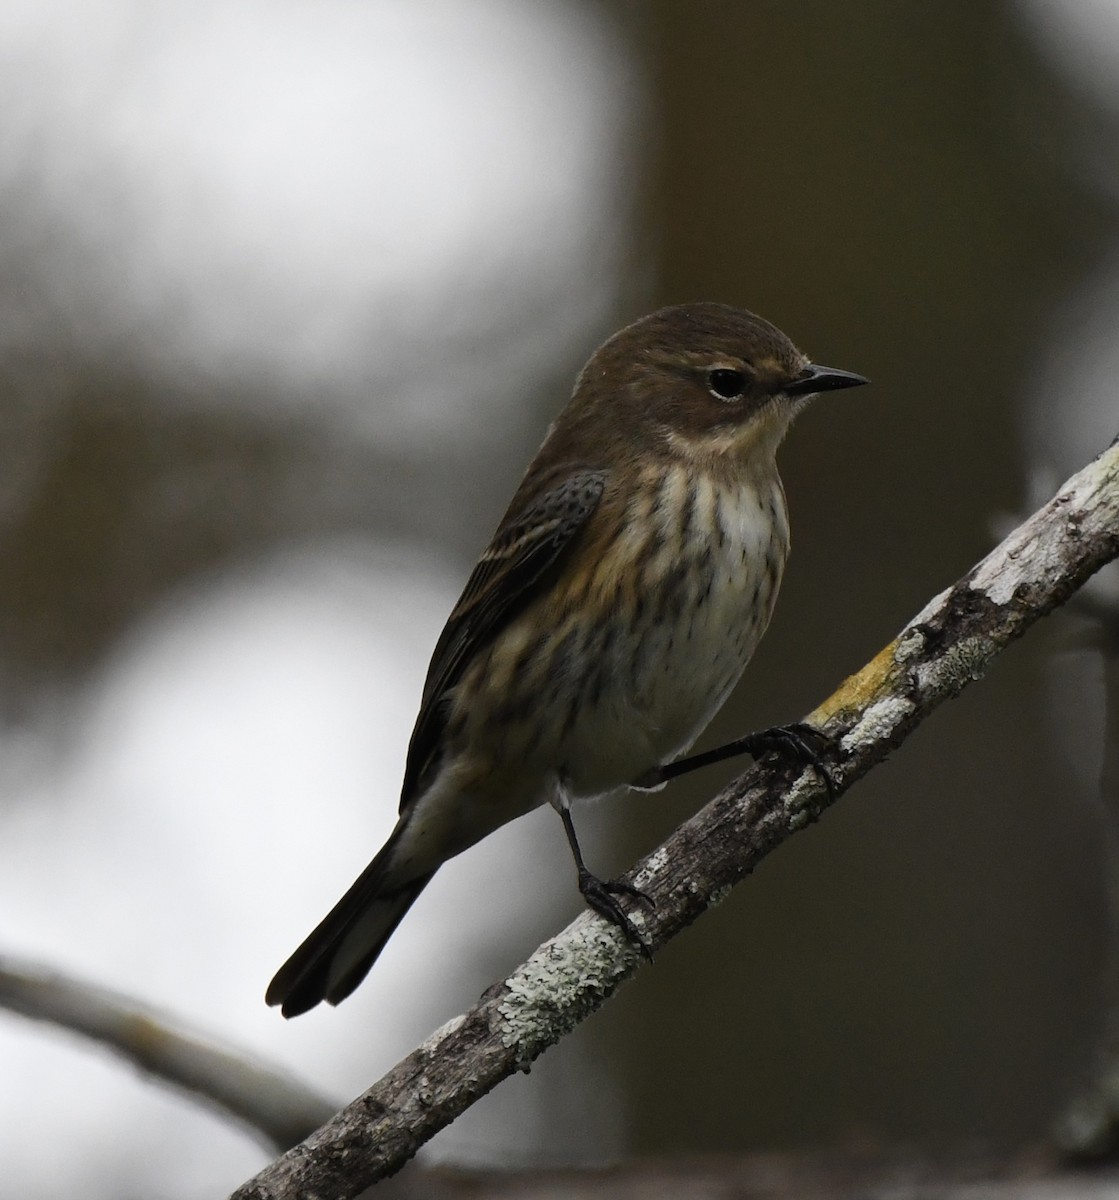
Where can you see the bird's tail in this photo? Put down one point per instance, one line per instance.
(337, 955)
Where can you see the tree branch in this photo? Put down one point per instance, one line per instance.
(265, 1099)
(946, 646)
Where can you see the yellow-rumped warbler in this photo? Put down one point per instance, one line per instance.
(615, 608)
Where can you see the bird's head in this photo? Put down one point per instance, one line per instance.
(701, 380)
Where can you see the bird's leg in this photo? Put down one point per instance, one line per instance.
(600, 893)
(793, 740)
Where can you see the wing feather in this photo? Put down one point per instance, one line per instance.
(516, 565)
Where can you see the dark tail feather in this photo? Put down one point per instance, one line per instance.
(337, 956)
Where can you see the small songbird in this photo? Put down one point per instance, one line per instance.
(606, 622)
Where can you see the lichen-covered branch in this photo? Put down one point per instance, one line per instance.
(946, 646)
(267, 1100)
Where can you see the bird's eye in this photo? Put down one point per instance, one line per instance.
(725, 383)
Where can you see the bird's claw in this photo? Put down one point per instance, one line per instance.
(794, 740)
(600, 895)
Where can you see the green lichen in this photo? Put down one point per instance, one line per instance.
(960, 665)
(565, 979)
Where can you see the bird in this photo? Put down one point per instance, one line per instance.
(614, 609)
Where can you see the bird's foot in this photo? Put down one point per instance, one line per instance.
(600, 894)
(794, 741)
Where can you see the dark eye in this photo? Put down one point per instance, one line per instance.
(725, 383)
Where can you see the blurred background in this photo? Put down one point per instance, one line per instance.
(289, 292)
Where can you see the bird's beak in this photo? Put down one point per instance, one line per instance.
(815, 378)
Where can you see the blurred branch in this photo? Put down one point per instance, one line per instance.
(267, 1100)
(947, 645)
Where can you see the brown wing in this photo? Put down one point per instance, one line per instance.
(511, 571)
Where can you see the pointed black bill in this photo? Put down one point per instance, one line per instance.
(823, 379)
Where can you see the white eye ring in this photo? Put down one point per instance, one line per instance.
(725, 383)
